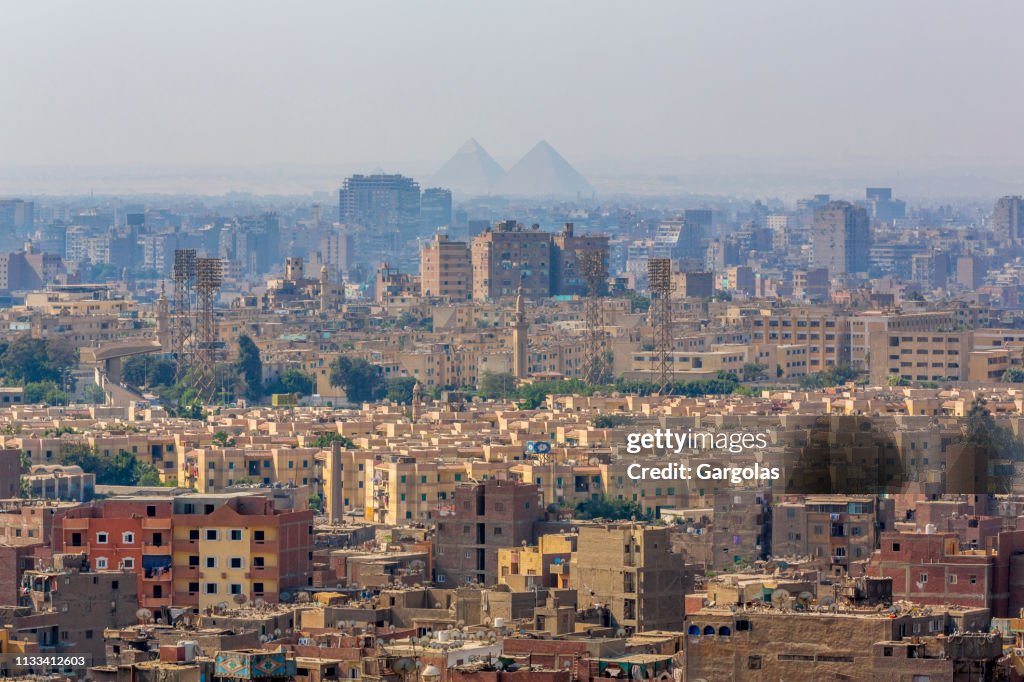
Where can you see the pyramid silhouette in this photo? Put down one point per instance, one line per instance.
(470, 171)
(543, 172)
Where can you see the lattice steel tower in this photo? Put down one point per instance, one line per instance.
(659, 281)
(594, 268)
(209, 277)
(184, 275)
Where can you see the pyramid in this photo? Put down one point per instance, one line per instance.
(470, 171)
(543, 172)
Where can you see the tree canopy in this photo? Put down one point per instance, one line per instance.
(249, 366)
(362, 381)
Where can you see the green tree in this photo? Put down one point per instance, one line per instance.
(29, 360)
(146, 474)
(80, 454)
(92, 393)
(1014, 375)
(362, 381)
(400, 389)
(144, 371)
(223, 439)
(638, 303)
(495, 385)
(250, 367)
(610, 421)
(46, 392)
(980, 429)
(834, 376)
(896, 380)
(608, 508)
(752, 371)
(325, 440)
(291, 381)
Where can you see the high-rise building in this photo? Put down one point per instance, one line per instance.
(382, 203)
(17, 215)
(883, 207)
(570, 249)
(446, 269)
(509, 257)
(1007, 219)
(435, 209)
(842, 239)
(336, 251)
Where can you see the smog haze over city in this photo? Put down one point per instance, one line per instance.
(749, 97)
(437, 341)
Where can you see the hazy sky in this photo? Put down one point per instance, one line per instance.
(908, 84)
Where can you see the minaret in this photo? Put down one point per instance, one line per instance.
(520, 345)
(417, 393)
(324, 290)
(163, 331)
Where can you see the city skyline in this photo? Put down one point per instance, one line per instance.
(763, 97)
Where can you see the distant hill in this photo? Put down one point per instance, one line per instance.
(543, 172)
(471, 171)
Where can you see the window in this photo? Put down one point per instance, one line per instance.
(128, 538)
(211, 588)
(235, 588)
(236, 534)
(258, 535)
(193, 588)
(952, 579)
(101, 563)
(211, 562)
(101, 538)
(257, 588)
(923, 578)
(895, 546)
(257, 562)
(193, 560)
(193, 534)
(236, 562)
(211, 534)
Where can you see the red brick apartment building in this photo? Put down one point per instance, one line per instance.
(933, 569)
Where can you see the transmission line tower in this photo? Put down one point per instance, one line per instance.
(183, 273)
(209, 277)
(594, 268)
(659, 281)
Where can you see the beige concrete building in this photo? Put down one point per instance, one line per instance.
(446, 270)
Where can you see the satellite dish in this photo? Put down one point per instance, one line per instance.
(380, 641)
(144, 615)
(621, 632)
(277, 632)
(240, 599)
(286, 596)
